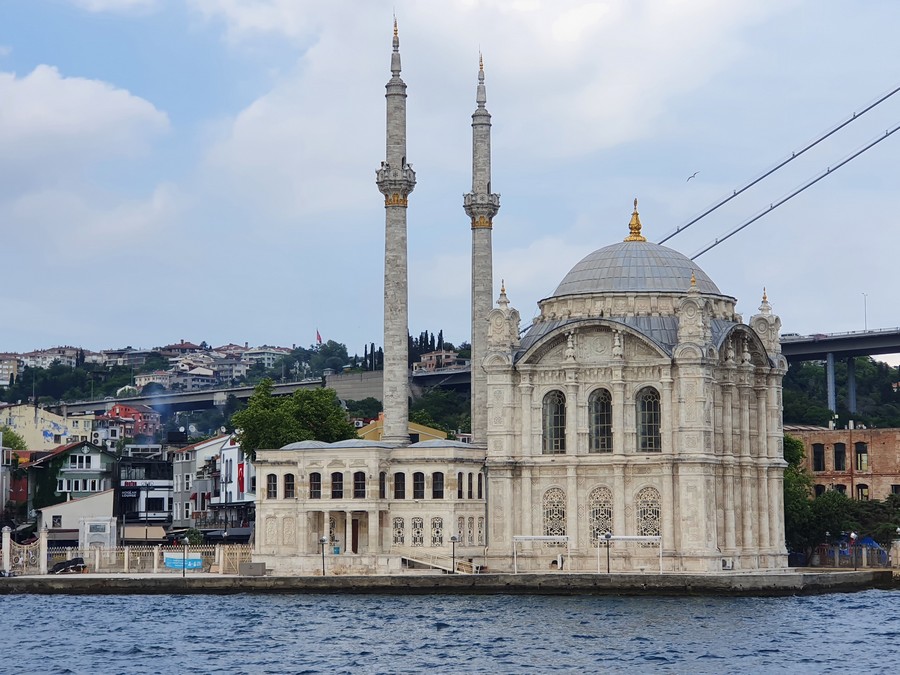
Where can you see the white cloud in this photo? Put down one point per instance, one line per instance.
(52, 126)
(121, 6)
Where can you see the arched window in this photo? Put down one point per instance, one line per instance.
(437, 486)
(459, 485)
(399, 485)
(315, 486)
(820, 490)
(554, 512)
(649, 438)
(600, 421)
(818, 456)
(600, 514)
(646, 513)
(289, 486)
(480, 486)
(382, 485)
(418, 485)
(437, 531)
(418, 531)
(359, 485)
(337, 485)
(470, 492)
(554, 423)
(841, 488)
(398, 531)
(862, 492)
(862, 456)
(271, 486)
(840, 457)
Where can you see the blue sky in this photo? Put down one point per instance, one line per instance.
(204, 169)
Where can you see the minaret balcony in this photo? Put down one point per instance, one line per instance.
(391, 181)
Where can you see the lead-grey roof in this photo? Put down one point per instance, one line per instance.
(635, 266)
(442, 443)
(305, 445)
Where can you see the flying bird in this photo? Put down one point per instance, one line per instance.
(691, 176)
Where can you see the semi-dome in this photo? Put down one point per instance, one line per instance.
(635, 265)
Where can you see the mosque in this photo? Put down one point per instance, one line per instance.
(638, 417)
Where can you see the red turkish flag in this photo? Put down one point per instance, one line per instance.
(241, 477)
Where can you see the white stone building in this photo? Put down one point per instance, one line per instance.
(637, 404)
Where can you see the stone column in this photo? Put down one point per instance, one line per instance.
(668, 507)
(618, 411)
(527, 502)
(572, 406)
(762, 482)
(619, 501)
(762, 433)
(372, 523)
(7, 549)
(666, 417)
(348, 531)
(572, 507)
(45, 535)
(525, 389)
(729, 506)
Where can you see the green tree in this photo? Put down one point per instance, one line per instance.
(307, 414)
(12, 439)
(797, 490)
(368, 407)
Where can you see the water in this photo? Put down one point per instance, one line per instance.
(449, 634)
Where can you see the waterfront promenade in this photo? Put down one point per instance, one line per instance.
(789, 582)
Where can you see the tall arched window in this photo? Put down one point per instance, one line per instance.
(315, 485)
(359, 485)
(399, 485)
(600, 421)
(818, 456)
(437, 486)
(337, 485)
(840, 457)
(646, 512)
(289, 491)
(437, 531)
(600, 514)
(382, 485)
(554, 423)
(480, 486)
(649, 438)
(418, 531)
(459, 485)
(554, 512)
(470, 494)
(271, 486)
(398, 531)
(862, 456)
(418, 485)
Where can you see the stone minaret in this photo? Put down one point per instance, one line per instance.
(395, 179)
(481, 205)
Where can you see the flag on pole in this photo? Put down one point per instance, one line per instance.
(318, 337)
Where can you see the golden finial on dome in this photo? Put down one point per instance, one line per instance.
(765, 297)
(395, 25)
(503, 286)
(693, 280)
(634, 227)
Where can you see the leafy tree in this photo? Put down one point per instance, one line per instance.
(797, 490)
(12, 439)
(368, 407)
(447, 410)
(307, 414)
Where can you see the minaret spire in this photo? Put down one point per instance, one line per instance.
(396, 180)
(481, 205)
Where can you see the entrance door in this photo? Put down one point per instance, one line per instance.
(354, 534)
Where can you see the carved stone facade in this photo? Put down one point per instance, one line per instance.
(638, 402)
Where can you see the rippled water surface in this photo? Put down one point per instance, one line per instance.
(458, 634)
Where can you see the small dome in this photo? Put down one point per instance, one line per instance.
(635, 266)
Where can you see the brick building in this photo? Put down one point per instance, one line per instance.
(862, 463)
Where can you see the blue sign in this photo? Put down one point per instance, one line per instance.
(175, 561)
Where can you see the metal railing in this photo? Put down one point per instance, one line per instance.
(152, 559)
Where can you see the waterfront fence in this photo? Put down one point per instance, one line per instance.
(39, 558)
(849, 557)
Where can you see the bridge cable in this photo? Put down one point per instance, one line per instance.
(828, 171)
(794, 155)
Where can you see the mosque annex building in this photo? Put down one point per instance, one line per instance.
(637, 405)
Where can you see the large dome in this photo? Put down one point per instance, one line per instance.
(635, 266)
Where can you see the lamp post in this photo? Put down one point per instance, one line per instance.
(853, 537)
(184, 544)
(607, 536)
(453, 541)
(322, 542)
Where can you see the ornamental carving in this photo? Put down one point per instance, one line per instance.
(290, 532)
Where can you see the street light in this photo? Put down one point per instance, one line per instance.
(607, 536)
(322, 542)
(184, 544)
(853, 537)
(455, 539)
